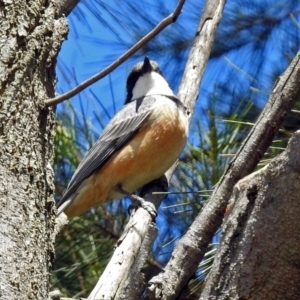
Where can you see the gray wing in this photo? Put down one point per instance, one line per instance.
(121, 128)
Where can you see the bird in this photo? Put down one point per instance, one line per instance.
(139, 144)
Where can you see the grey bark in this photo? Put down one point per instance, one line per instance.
(259, 253)
(30, 37)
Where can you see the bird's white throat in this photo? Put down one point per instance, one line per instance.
(150, 84)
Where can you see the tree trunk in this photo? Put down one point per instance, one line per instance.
(30, 37)
(259, 254)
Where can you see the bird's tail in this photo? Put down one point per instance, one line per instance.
(63, 205)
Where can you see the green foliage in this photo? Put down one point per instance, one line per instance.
(83, 250)
(66, 155)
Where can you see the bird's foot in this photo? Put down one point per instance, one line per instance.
(148, 206)
(138, 202)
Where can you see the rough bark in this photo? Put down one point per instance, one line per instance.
(30, 37)
(259, 253)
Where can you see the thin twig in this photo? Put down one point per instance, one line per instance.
(162, 25)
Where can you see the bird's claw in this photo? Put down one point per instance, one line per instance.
(138, 202)
(150, 208)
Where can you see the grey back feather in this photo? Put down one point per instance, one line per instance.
(119, 131)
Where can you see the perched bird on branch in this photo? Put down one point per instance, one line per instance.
(139, 144)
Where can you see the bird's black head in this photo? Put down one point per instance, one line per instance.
(140, 69)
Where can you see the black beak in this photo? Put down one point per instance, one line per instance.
(147, 67)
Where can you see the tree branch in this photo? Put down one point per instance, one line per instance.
(188, 90)
(163, 286)
(191, 248)
(162, 25)
(127, 258)
(254, 239)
